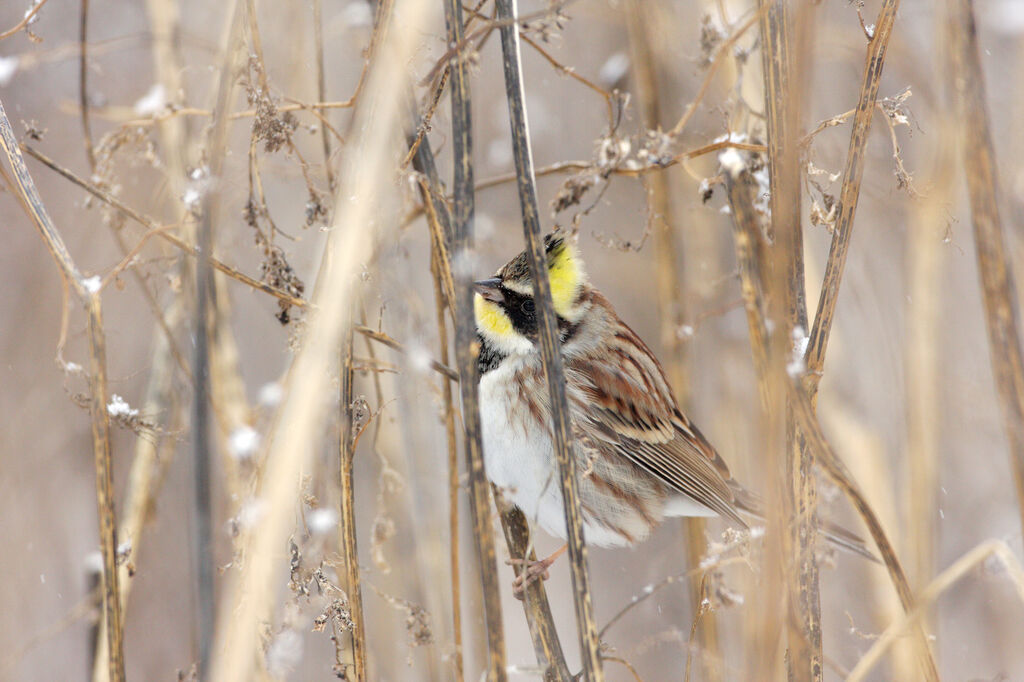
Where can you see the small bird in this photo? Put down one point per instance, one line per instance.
(639, 459)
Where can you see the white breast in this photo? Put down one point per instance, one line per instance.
(518, 454)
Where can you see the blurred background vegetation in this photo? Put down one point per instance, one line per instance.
(908, 373)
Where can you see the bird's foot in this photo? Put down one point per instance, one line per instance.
(532, 570)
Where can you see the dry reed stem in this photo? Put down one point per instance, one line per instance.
(546, 645)
(994, 268)
(969, 561)
(321, 86)
(366, 172)
(825, 456)
(668, 277)
(83, 88)
(445, 300)
(548, 337)
(794, 497)
(91, 302)
(145, 477)
(467, 347)
(849, 194)
(750, 259)
(347, 529)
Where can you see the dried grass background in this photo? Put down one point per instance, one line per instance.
(908, 370)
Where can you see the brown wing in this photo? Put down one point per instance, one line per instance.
(627, 408)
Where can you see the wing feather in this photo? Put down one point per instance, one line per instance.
(627, 409)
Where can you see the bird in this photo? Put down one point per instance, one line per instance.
(639, 458)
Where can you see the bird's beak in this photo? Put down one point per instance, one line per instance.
(490, 289)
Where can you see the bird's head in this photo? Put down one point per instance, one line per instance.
(505, 311)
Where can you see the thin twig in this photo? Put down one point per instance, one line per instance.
(29, 15)
(549, 344)
(83, 89)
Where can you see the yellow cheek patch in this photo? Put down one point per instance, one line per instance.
(566, 274)
(491, 319)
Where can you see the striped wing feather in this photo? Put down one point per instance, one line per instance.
(628, 410)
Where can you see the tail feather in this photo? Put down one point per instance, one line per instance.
(751, 504)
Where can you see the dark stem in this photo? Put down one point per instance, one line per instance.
(83, 90)
(465, 338)
(549, 344)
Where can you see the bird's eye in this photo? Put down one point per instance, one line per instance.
(527, 305)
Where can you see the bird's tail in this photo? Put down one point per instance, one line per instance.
(751, 504)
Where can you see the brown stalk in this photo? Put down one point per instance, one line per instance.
(826, 457)
(145, 476)
(669, 278)
(546, 645)
(750, 258)
(443, 300)
(205, 329)
(83, 89)
(465, 337)
(347, 539)
(994, 268)
(91, 302)
(796, 519)
(849, 194)
(549, 344)
(321, 86)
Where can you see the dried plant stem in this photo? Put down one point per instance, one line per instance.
(750, 258)
(994, 268)
(90, 301)
(796, 518)
(83, 78)
(546, 645)
(465, 336)
(366, 172)
(145, 475)
(321, 86)
(671, 309)
(961, 567)
(826, 457)
(849, 194)
(445, 300)
(548, 336)
(347, 539)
